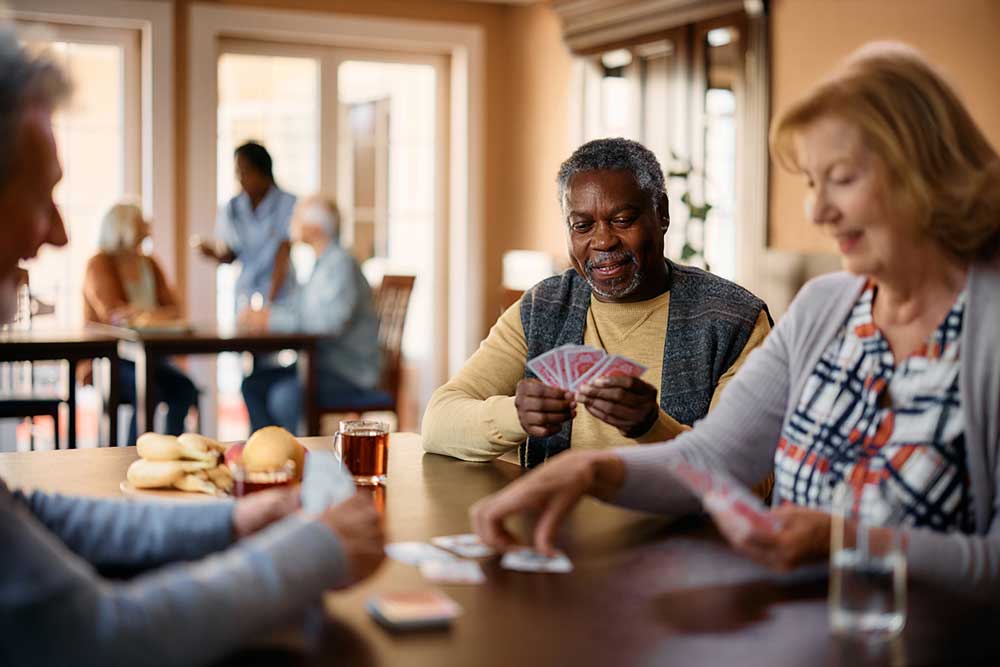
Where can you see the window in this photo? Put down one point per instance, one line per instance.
(362, 128)
(98, 138)
(679, 93)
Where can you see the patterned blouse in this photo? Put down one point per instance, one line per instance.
(864, 419)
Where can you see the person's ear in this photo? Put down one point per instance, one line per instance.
(663, 212)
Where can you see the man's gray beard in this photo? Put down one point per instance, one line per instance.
(614, 293)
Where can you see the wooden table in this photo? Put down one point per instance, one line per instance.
(149, 349)
(73, 346)
(643, 592)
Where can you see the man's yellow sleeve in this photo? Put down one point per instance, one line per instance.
(472, 416)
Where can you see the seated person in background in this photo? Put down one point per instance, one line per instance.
(691, 329)
(124, 286)
(240, 568)
(885, 377)
(336, 301)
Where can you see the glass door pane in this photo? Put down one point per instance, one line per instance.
(275, 101)
(90, 135)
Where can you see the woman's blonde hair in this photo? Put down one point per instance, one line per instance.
(941, 168)
(119, 227)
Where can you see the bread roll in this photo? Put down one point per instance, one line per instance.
(156, 447)
(196, 484)
(198, 447)
(221, 477)
(270, 448)
(195, 466)
(143, 474)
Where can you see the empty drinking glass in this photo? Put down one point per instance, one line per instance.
(867, 564)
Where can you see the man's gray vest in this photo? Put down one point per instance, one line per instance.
(708, 324)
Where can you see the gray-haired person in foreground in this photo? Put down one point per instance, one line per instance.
(243, 567)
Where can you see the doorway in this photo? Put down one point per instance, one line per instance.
(363, 128)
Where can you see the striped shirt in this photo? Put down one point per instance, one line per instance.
(865, 420)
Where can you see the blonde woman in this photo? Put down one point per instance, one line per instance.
(886, 374)
(122, 285)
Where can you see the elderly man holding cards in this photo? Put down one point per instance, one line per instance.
(211, 576)
(883, 380)
(672, 335)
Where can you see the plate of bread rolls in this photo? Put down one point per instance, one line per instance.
(194, 467)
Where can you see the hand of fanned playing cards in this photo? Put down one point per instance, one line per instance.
(443, 561)
(734, 507)
(572, 366)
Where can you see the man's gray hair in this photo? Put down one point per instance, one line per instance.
(24, 80)
(616, 154)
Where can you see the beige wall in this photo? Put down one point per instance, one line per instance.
(962, 37)
(526, 134)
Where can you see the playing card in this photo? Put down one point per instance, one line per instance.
(452, 571)
(529, 560)
(561, 369)
(325, 482)
(415, 553)
(619, 365)
(543, 366)
(467, 545)
(413, 610)
(579, 361)
(721, 493)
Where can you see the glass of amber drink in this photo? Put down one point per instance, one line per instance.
(363, 446)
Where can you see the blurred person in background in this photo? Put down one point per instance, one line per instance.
(253, 228)
(240, 569)
(335, 301)
(884, 377)
(125, 286)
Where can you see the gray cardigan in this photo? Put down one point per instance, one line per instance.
(741, 434)
(55, 609)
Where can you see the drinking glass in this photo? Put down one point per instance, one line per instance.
(867, 564)
(363, 446)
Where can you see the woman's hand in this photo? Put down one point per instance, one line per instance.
(551, 490)
(803, 536)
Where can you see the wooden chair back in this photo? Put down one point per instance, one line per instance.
(391, 301)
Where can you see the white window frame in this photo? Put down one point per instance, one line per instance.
(153, 20)
(463, 230)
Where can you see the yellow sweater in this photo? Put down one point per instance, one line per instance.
(473, 416)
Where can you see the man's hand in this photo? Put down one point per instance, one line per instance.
(627, 403)
(551, 491)
(259, 510)
(254, 320)
(804, 537)
(357, 525)
(542, 409)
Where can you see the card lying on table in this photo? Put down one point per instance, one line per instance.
(571, 366)
(466, 545)
(529, 560)
(452, 571)
(721, 493)
(413, 610)
(415, 553)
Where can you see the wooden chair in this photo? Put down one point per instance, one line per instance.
(391, 300)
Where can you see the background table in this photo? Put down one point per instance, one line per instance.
(643, 592)
(147, 349)
(73, 346)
